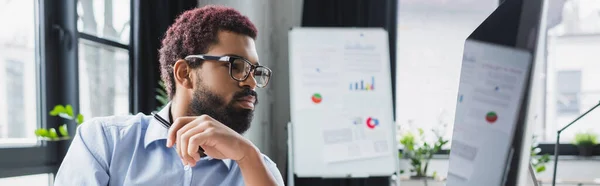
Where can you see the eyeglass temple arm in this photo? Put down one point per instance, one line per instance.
(205, 57)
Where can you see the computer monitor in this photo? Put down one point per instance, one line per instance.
(491, 137)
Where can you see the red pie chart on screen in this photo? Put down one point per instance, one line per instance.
(491, 117)
(316, 98)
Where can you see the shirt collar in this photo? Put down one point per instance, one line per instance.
(156, 131)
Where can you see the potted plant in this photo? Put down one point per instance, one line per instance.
(63, 111)
(538, 162)
(419, 152)
(585, 142)
(66, 112)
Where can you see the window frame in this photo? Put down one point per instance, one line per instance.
(100, 41)
(42, 158)
(57, 42)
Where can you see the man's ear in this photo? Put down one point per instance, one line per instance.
(183, 74)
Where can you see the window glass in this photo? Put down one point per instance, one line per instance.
(103, 80)
(18, 90)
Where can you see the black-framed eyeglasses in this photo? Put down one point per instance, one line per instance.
(240, 68)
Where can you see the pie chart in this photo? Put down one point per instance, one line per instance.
(372, 122)
(491, 117)
(316, 98)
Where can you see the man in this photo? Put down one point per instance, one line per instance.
(210, 67)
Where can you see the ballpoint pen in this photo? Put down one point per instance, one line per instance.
(167, 125)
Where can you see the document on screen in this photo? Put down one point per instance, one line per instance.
(490, 93)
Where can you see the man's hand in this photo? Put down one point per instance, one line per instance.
(217, 140)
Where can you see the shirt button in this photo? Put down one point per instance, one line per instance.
(187, 167)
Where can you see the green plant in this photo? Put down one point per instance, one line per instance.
(161, 95)
(419, 151)
(63, 111)
(538, 162)
(586, 139)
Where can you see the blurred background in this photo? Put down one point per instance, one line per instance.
(100, 57)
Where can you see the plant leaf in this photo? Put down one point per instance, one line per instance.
(52, 134)
(57, 110)
(161, 83)
(63, 130)
(162, 100)
(540, 169)
(65, 115)
(79, 119)
(69, 111)
(41, 132)
(161, 92)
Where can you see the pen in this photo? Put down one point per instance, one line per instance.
(167, 125)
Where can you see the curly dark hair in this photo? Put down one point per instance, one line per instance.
(194, 31)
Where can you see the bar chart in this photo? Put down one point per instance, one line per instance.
(363, 85)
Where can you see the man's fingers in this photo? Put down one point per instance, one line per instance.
(182, 131)
(181, 144)
(181, 126)
(184, 139)
(195, 141)
(177, 124)
(178, 150)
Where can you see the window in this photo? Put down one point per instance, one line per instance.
(568, 88)
(103, 76)
(431, 35)
(109, 19)
(38, 70)
(18, 91)
(103, 57)
(38, 180)
(22, 94)
(572, 69)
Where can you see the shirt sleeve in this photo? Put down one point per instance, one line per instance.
(274, 170)
(86, 161)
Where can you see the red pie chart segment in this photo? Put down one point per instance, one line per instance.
(491, 117)
(316, 98)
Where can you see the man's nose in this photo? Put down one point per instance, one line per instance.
(249, 82)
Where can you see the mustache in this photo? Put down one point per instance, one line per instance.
(246, 92)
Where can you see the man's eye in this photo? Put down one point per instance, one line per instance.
(237, 66)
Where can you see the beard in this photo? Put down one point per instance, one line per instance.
(206, 102)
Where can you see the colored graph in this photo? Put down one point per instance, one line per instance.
(372, 122)
(491, 117)
(362, 85)
(317, 98)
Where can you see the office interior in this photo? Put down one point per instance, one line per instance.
(100, 57)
